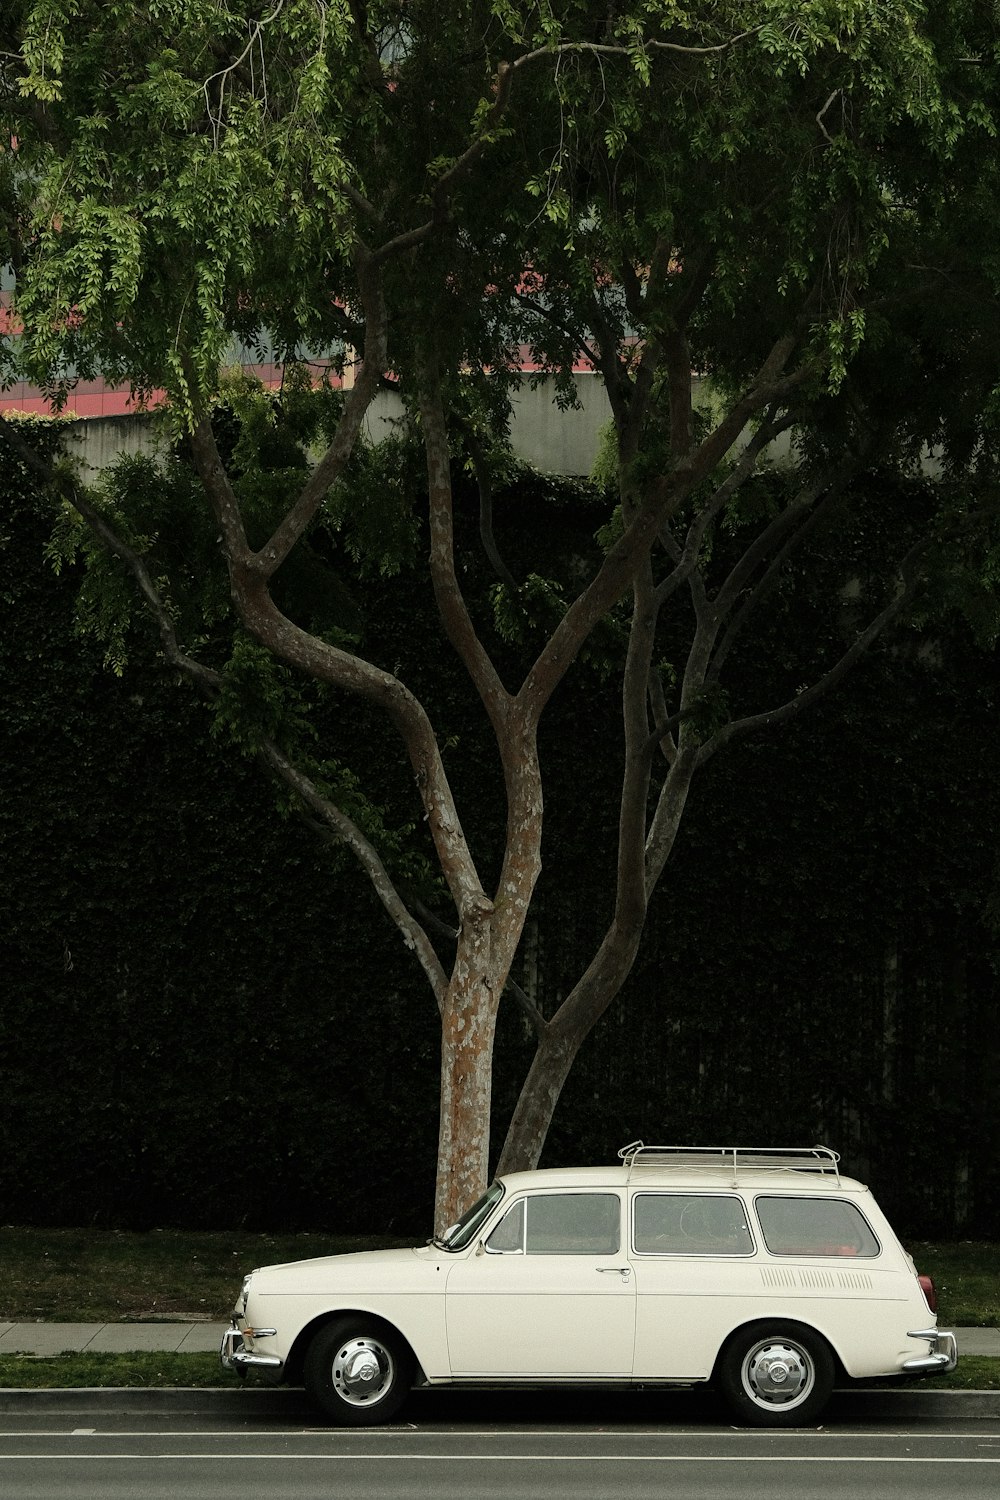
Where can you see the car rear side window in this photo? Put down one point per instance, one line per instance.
(560, 1224)
(815, 1226)
(690, 1224)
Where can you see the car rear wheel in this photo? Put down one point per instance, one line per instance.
(776, 1375)
(358, 1372)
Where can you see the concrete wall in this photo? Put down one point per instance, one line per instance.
(557, 441)
(562, 442)
(96, 442)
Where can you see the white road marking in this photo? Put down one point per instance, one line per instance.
(384, 1433)
(493, 1458)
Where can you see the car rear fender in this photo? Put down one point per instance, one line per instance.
(755, 1326)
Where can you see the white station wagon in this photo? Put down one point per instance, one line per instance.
(762, 1270)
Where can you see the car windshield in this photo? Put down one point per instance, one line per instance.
(457, 1236)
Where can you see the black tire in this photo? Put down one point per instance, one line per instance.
(776, 1374)
(358, 1371)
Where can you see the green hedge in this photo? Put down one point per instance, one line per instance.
(198, 1010)
(209, 1022)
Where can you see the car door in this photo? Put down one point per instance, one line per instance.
(696, 1279)
(549, 1294)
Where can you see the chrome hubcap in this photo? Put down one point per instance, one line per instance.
(362, 1371)
(776, 1373)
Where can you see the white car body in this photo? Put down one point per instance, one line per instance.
(675, 1268)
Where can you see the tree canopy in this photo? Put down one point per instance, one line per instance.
(793, 204)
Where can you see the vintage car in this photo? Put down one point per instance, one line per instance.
(764, 1271)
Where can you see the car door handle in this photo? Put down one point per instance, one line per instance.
(623, 1271)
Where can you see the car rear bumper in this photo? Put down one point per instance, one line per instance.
(942, 1354)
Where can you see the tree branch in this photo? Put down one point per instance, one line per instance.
(484, 481)
(447, 592)
(410, 238)
(283, 539)
(573, 334)
(527, 1007)
(208, 680)
(653, 349)
(770, 576)
(909, 577)
(663, 496)
(614, 372)
(610, 49)
(373, 64)
(764, 544)
(662, 736)
(686, 558)
(666, 819)
(333, 824)
(630, 886)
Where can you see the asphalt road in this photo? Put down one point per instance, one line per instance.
(584, 1448)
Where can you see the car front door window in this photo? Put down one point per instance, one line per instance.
(560, 1224)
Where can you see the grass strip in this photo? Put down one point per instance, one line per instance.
(25, 1372)
(110, 1276)
(967, 1277)
(974, 1372)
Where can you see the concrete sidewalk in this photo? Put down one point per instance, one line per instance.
(976, 1341)
(47, 1339)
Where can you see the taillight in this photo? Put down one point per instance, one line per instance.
(930, 1295)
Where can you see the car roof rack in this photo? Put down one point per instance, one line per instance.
(819, 1159)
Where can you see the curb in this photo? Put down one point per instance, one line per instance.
(876, 1405)
(292, 1404)
(285, 1405)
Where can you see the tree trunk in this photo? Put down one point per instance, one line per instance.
(563, 1036)
(468, 1026)
(560, 1042)
(537, 1102)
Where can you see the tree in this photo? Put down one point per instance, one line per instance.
(794, 201)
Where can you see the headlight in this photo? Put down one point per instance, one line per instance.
(245, 1292)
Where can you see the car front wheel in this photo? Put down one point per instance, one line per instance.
(776, 1375)
(358, 1372)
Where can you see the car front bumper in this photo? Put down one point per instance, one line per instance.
(238, 1350)
(942, 1355)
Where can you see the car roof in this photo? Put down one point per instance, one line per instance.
(719, 1178)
